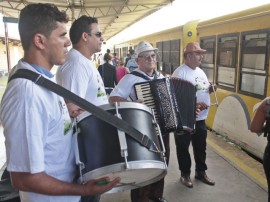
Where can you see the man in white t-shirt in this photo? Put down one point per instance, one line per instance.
(37, 126)
(78, 74)
(145, 56)
(190, 71)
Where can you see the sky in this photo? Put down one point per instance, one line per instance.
(173, 15)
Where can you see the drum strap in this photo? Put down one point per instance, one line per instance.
(84, 104)
(155, 74)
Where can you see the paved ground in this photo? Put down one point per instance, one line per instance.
(232, 169)
(239, 178)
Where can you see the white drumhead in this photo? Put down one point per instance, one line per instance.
(139, 174)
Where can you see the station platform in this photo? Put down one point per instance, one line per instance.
(238, 177)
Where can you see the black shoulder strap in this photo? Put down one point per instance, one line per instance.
(84, 104)
(140, 75)
(267, 118)
(156, 75)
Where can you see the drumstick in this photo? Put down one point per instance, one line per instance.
(103, 182)
(131, 184)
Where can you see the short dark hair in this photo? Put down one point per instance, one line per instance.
(38, 18)
(121, 62)
(131, 51)
(107, 57)
(82, 24)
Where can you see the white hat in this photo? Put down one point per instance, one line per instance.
(143, 47)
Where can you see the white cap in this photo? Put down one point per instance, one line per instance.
(143, 47)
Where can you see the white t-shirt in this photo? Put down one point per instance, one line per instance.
(125, 88)
(79, 75)
(38, 134)
(199, 79)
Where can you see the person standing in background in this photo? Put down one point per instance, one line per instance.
(127, 58)
(121, 71)
(131, 63)
(100, 59)
(78, 74)
(41, 157)
(115, 60)
(108, 52)
(95, 60)
(190, 71)
(108, 73)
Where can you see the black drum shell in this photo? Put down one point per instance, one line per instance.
(99, 147)
(98, 141)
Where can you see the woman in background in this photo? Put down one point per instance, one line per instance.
(121, 70)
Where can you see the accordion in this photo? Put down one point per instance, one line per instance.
(173, 102)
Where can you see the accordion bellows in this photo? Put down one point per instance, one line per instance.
(185, 93)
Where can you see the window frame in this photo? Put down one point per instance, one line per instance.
(254, 50)
(211, 50)
(166, 63)
(234, 61)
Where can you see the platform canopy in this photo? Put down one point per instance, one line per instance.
(113, 15)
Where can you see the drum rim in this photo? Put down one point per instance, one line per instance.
(145, 183)
(134, 165)
(121, 105)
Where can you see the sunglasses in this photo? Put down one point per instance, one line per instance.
(98, 34)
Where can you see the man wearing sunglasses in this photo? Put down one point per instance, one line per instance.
(78, 74)
(146, 58)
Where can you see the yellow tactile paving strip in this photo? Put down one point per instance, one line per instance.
(238, 158)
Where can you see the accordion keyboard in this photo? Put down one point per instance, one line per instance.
(143, 92)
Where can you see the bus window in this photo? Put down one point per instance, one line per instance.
(253, 69)
(166, 57)
(208, 62)
(124, 52)
(226, 61)
(159, 61)
(175, 54)
(169, 51)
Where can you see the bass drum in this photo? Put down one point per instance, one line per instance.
(98, 148)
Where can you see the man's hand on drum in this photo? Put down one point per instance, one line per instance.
(73, 109)
(197, 111)
(99, 186)
(201, 106)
